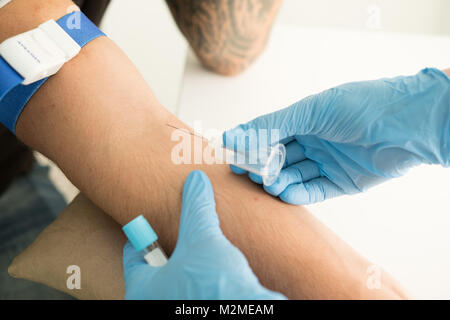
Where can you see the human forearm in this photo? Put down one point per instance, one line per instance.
(98, 120)
(225, 35)
(132, 173)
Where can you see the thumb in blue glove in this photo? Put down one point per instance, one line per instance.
(204, 265)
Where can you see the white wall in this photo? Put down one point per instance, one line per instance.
(415, 16)
(145, 30)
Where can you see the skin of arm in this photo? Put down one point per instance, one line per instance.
(226, 35)
(102, 125)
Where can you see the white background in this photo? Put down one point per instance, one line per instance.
(401, 225)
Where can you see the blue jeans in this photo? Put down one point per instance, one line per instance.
(29, 205)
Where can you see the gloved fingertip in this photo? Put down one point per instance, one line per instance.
(275, 188)
(255, 178)
(197, 184)
(295, 194)
(237, 170)
(198, 212)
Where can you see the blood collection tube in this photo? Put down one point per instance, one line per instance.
(144, 239)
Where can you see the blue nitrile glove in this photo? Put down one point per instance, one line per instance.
(204, 265)
(352, 137)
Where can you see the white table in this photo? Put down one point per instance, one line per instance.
(402, 225)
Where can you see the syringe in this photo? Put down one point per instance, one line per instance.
(144, 239)
(265, 161)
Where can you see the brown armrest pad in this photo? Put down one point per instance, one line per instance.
(82, 235)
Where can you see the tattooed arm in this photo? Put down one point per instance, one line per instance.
(226, 35)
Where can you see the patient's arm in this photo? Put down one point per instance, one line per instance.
(225, 35)
(100, 122)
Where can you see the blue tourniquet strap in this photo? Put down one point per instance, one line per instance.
(9, 78)
(13, 95)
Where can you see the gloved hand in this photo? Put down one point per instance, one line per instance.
(352, 137)
(204, 265)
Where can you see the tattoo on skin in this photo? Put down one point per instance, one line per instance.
(226, 35)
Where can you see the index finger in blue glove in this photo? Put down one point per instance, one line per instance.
(237, 170)
(313, 191)
(289, 122)
(198, 213)
(255, 178)
(298, 119)
(241, 143)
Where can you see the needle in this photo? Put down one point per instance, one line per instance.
(187, 131)
(268, 164)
